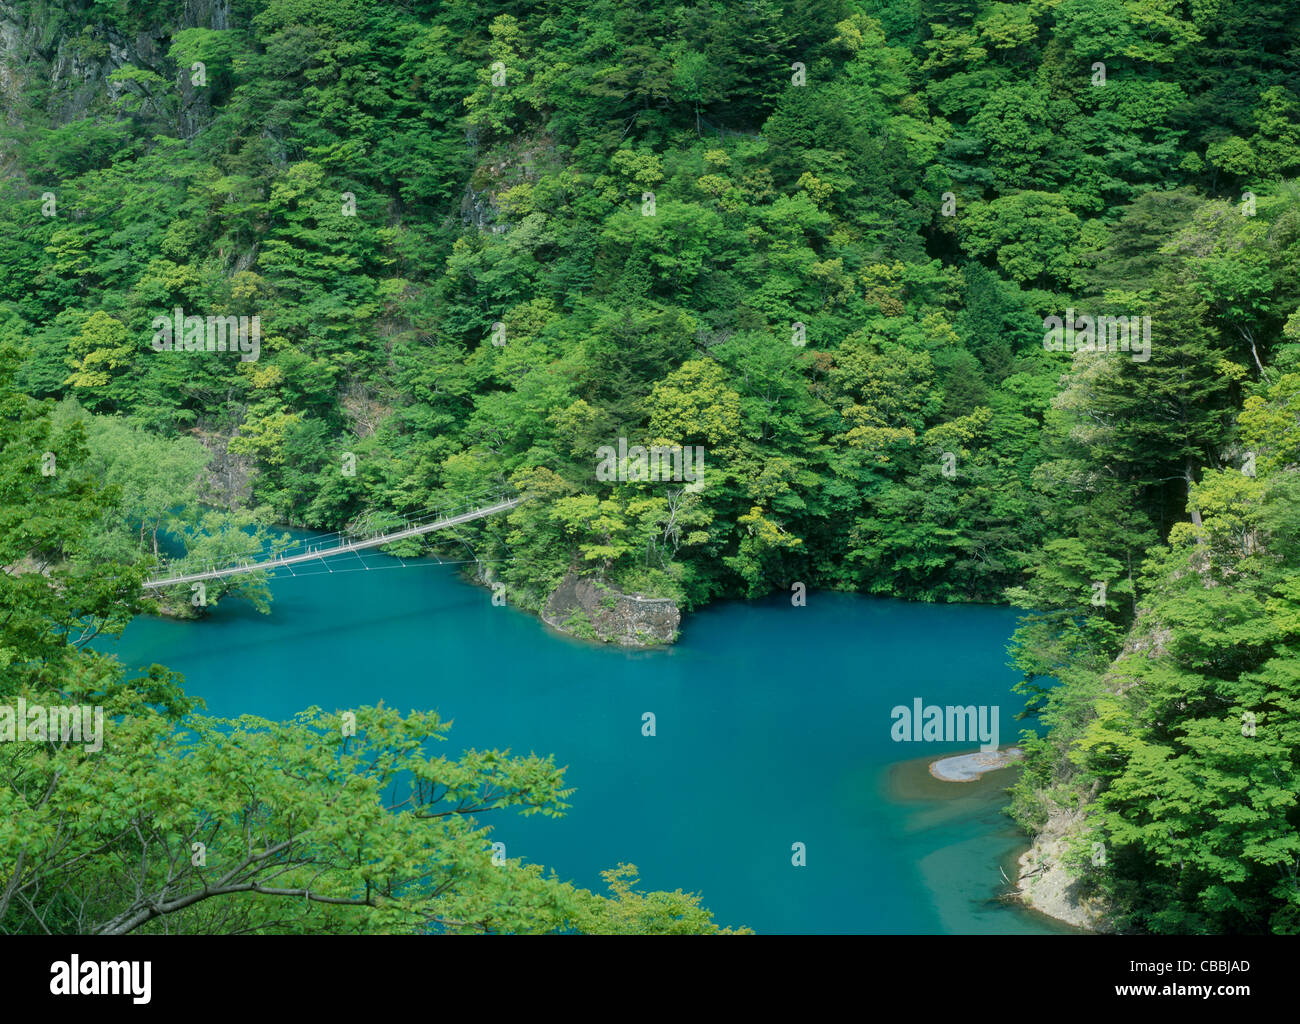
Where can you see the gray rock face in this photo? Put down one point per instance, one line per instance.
(228, 480)
(590, 609)
(78, 65)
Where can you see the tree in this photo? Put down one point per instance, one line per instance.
(98, 353)
(328, 830)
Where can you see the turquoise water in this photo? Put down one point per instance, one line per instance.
(773, 727)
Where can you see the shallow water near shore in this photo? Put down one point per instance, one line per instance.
(772, 728)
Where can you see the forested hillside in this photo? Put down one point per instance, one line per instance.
(820, 243)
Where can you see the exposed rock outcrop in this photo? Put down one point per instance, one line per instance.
(1047, 884)
(78, 64)
(587, 608)
(227, 482)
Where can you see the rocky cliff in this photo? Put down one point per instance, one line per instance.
(587, 608)
(74, 61)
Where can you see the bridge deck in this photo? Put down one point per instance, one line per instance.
(339, 549)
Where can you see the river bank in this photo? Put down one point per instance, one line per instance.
(1045, 883)
(969, 869)
(969, 767)
(1032, 875)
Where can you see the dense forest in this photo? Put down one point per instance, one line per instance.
(819, 243)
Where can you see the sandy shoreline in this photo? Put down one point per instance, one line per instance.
(969, 767)
(914, 781)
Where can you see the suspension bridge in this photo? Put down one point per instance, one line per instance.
(306, 551)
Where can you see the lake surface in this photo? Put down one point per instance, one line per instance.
(773, 728)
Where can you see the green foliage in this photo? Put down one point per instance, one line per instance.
(483, 244)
